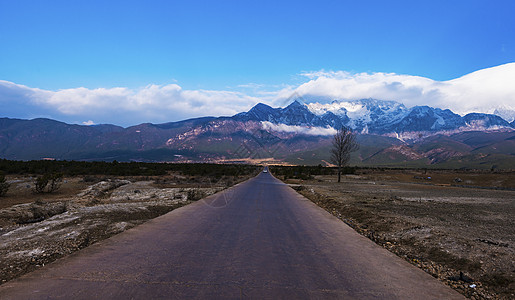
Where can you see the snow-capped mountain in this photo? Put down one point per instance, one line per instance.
(478, 120)
(295, 114)
(388, 133)
(363, 115)
(505, 112)
(374, 117)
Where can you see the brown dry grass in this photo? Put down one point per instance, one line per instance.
(442, 229)
(21, 191)
(479, 178)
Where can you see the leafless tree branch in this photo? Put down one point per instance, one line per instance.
(344, 143)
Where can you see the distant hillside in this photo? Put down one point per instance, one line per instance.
(389, 135)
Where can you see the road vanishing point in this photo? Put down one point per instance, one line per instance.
(257, 240)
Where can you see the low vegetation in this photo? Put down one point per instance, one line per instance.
(307, 172)
(114, 168)
(456, 225)
(4, 185)
(48, 183)
(195, 195)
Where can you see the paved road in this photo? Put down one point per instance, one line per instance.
(258, 240)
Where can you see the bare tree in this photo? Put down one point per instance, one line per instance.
(344, 142)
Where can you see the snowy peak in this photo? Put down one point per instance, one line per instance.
(296, 114)
(355, 105)
(372, 116)
(363, 115)
(485, 120)
(295, 105)
(507, 113)
(425, 118)
(359, 109)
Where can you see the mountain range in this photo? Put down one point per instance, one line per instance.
(389, 134)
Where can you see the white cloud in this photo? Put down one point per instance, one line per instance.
(298, 129)
(486, 91)
(481, 91)
(153, 103)
(251, 86)
(88, 123)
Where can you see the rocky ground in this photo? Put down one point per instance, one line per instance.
(47, 227)
(463, 236)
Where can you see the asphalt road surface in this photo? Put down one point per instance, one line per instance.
(259, 239)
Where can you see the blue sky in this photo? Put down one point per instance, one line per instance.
(231, 45)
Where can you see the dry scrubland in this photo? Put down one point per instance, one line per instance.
(36, 229)
(463, 236)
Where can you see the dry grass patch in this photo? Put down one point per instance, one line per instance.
(465, 237)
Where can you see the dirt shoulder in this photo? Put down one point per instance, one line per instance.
(463, 236)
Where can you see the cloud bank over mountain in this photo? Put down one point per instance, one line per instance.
(482, 91)
(306, 130)
(488, 91)
(121, 106)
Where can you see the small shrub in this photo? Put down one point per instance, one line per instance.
(298, 188)
(48, 183)
(194, 195)
(40, 183)
(4, 185)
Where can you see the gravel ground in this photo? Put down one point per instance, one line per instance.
(463, 236)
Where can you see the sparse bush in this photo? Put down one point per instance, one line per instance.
(74, 168)
(91, 179)
(298, 188)
(307, 172)
(194, 195)
(48, 183)
(40, 183)
(56, 180)
(4, 185)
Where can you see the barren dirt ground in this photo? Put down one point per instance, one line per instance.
(36, 229)
(463, 236)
